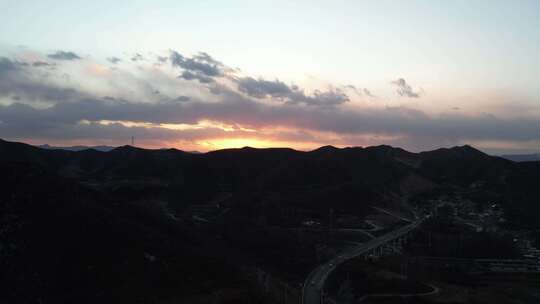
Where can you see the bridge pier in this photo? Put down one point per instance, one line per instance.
(398, 246)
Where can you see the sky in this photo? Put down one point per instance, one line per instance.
(206, 75)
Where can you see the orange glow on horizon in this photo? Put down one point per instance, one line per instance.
(231, 143)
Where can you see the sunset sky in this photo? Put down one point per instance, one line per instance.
(206, 75)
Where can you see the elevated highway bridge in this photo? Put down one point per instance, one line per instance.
(312, 291)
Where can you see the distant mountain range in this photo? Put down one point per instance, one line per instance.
(522, 157)
(374, 174)
(82, 148)
(512, 157)
(347, 179)
(78, 148)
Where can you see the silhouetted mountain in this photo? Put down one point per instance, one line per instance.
(382, 169)
(325, 149)
(522, 157)
(463, 166)
(384, 173)
(78, 148)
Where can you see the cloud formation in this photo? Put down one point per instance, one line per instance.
(404, 89)
(41, 64)
(368, 93)
(6, 65)
(264, 88)
(188, 75)
(63, 55)
(399, 125)
(137, 57)
(201, 64)
(210, 102)
(162, 59)
(277, 90)
(182, 98)
(114, 60)
(360, 91)
(17, 80)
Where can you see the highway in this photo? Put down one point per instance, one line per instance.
(313, 286)
(392, 214)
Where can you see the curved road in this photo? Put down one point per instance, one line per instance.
(313, 286)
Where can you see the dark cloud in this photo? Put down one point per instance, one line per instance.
(204, 57)
(162, 59)
(63, 119)
(261, 88)
(6, 65)
(201, 67)
(182, 98)
(368, 93)
(37, 91)
(109, 98)
(20, 121)
(332, 97)
(137, 57)
(360, 91)
(62, 55)
(41, 64)
(404, 89)
(201, 64)
(114, 60)
(187, 75)
(16, 81)
(354, 89)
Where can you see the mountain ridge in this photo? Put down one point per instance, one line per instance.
(522, 157)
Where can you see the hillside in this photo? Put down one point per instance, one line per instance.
(373, 175)
(133, 206)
